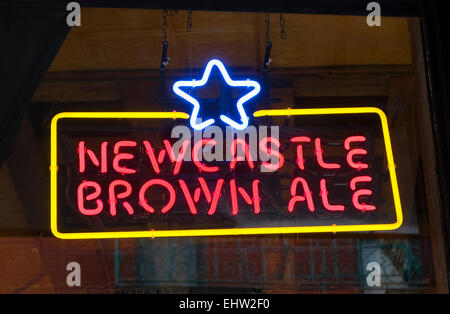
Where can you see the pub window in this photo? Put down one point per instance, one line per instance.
(116, 61)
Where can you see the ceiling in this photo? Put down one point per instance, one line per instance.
(128, 39)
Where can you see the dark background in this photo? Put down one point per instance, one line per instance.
(23, 22)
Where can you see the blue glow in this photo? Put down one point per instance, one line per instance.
(194, 83)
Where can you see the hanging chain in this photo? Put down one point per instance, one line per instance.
(164, 25)
(267, 21)
(189, 22)
(282, 25)
(267, 59)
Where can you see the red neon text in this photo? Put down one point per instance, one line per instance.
(210, 188)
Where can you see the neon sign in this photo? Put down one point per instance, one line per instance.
(123, 178)
(211, 197)
(325, 171)
(255, 88)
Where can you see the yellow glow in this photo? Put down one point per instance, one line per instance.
(389, 155)
(235, 231)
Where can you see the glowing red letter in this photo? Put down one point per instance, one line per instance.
(319, 154)
(255, 200)
(267, 150)
(357, 194)
(197, 146)
(247, 154)
(121, 156)
(155, 162)
(151, 155)
(325, 201)
(82, 151)
(213, 199)
(300, 159)
(357, 151)
(90, 197)
(113, 198)
(180, 156)
(307, 195)
(163, 183)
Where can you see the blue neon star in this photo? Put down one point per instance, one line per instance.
(230, 82)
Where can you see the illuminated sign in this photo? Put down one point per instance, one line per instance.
(254, 90)
(163, 174)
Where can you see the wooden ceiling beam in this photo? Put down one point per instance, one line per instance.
(319, 82)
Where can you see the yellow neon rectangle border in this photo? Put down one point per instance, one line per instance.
(225, 231)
